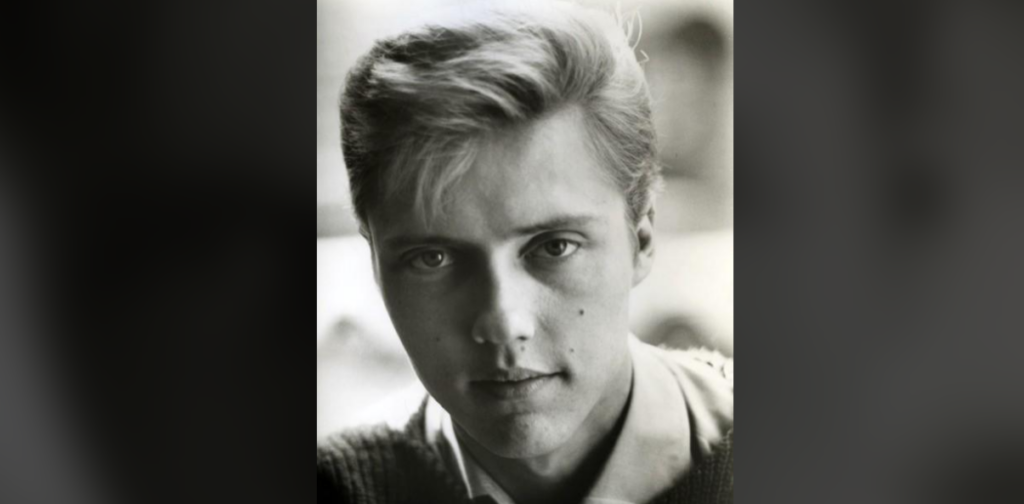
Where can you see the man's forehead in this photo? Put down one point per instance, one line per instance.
(504, 207)
(530, 177)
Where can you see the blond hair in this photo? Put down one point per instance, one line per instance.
(416, 106)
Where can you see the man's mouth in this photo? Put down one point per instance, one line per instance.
(514, 383)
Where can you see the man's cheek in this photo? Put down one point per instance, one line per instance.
(580, 277)
(432, 330)
(599, 279)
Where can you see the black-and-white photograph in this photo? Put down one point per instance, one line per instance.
(542, 226)
(524, 252)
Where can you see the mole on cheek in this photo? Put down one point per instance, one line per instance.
(572, 350)
(581, 311)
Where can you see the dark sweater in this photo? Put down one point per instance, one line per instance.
(382, 465)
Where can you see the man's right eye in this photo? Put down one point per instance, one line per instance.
(430, 260)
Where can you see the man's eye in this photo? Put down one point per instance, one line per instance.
(430, 260)
(555, 249)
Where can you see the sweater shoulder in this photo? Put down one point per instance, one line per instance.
(378, 438)
(382, 464)
(363, 459)
(359, 465)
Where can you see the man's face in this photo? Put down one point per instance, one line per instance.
(513, 304)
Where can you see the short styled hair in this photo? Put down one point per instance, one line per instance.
(416, 106)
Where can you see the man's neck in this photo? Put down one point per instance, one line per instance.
(565, 474)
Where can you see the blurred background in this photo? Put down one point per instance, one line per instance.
(688, 298)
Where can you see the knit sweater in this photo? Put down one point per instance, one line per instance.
(382, 465)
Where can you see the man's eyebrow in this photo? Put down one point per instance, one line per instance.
(557, 223)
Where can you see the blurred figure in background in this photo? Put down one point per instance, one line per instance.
(503, 169)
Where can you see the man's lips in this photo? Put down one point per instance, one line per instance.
(514, 383)
(511, 375)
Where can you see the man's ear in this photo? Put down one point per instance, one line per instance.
(644, 239)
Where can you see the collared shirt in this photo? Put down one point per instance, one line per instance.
(679, 398)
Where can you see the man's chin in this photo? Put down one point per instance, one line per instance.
(521, 437)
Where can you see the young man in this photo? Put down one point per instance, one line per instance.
(503, 169)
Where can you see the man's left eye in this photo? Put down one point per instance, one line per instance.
(556, 248)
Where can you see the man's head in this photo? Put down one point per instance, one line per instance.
(502, 169)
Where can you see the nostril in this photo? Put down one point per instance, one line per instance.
(503, 327)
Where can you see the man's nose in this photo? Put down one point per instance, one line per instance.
(506, 315)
